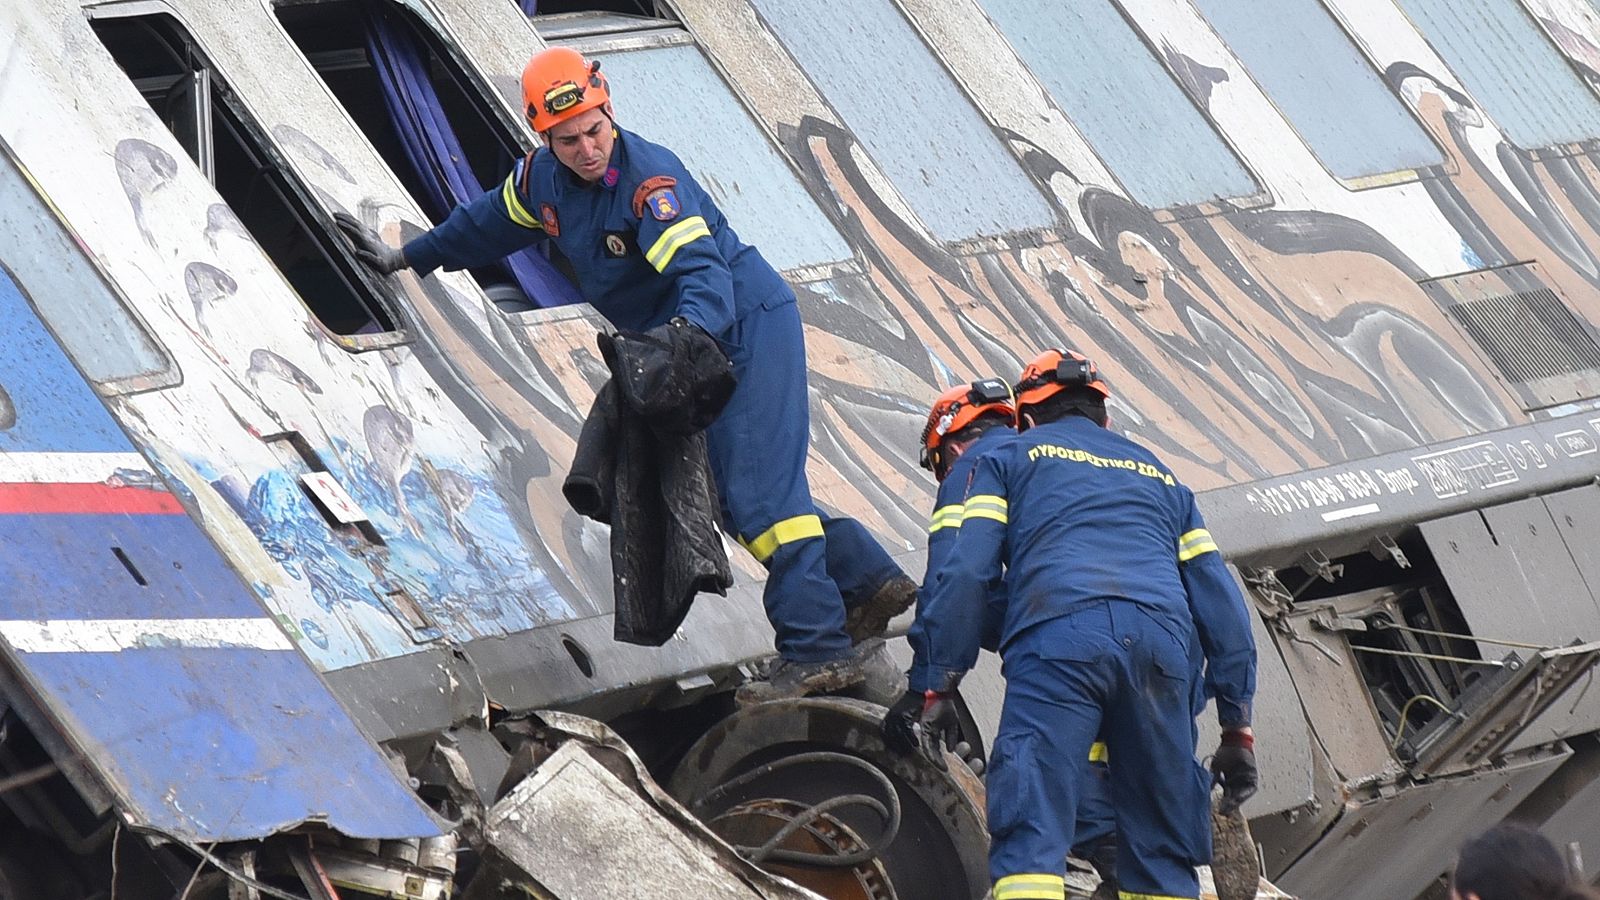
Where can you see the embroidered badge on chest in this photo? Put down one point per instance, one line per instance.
(547, 218)
(616, 243)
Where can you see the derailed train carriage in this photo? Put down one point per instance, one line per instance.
(287, 573)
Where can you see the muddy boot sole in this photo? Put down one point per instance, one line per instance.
(1235, 868)
(828, 678)
(871, 619)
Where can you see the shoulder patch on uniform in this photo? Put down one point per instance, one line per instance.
(547, 218)
(648, 187)
(663, 204)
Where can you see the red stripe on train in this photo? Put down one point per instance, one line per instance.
(86, 498)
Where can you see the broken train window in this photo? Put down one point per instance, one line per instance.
(431, 121)
(209, 120)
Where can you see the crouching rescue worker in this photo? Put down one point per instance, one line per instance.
(1108, 569)
(650, 247)
(966, 422)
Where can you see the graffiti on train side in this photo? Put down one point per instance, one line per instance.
(1241, 344)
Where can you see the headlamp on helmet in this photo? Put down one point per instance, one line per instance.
(959, 407)
(1057, 370)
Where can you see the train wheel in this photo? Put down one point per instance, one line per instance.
(812, 777)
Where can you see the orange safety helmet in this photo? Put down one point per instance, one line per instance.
(1057, 370)
(558, 84)
(959, 407)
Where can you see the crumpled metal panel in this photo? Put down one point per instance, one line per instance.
(632, 848)
(1512, 570)
(1358, 857)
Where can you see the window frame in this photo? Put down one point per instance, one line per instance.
(443, 43)
(168, 376)
(1447, 166)
(1033, 237)
(1262, 197)
(222, 91)
(1557, 150)
(676, 32)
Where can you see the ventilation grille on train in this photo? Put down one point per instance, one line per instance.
(1530, 335)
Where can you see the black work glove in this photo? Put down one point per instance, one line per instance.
(939, 725)
(900, 725)
(369, 247)
(1234, 767)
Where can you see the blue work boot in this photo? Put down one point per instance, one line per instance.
(790, 680)
(871, 618)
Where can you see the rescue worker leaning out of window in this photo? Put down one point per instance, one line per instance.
(649, 247)
(1108, 569)
(967, 422)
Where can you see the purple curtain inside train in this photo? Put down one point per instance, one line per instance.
(431, 146)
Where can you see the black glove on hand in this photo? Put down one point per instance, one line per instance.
(1234, 767)
(900, 725)
(368, 247)
(940, 726)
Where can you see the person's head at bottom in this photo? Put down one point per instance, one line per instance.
(1513, 862)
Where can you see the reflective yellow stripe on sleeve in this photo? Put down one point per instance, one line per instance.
(514, 208)
(1033, 886)
(673, 239)
(796, 528)
(985, 506)
(945, 517)
(1194, 543)
(1098, 752)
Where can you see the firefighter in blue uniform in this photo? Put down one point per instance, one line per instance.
(649, 248)
(966, 422)
(1109, 570)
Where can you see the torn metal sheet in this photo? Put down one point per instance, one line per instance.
(633, 847)
(1393, 841)
(141, 646)
(1494, 711)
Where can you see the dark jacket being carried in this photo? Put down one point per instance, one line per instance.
(641, 467)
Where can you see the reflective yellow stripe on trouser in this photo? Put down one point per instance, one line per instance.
(1098, 752)
(1037, 886)
(795, 528)
(1194, 543)
(667, 246)
(985, 506)
(1125, 895)
(514, 208)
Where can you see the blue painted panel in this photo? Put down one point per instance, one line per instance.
(66, 570)
(224, 744)
(55, 409)
(209, 744)
(1323, 84)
